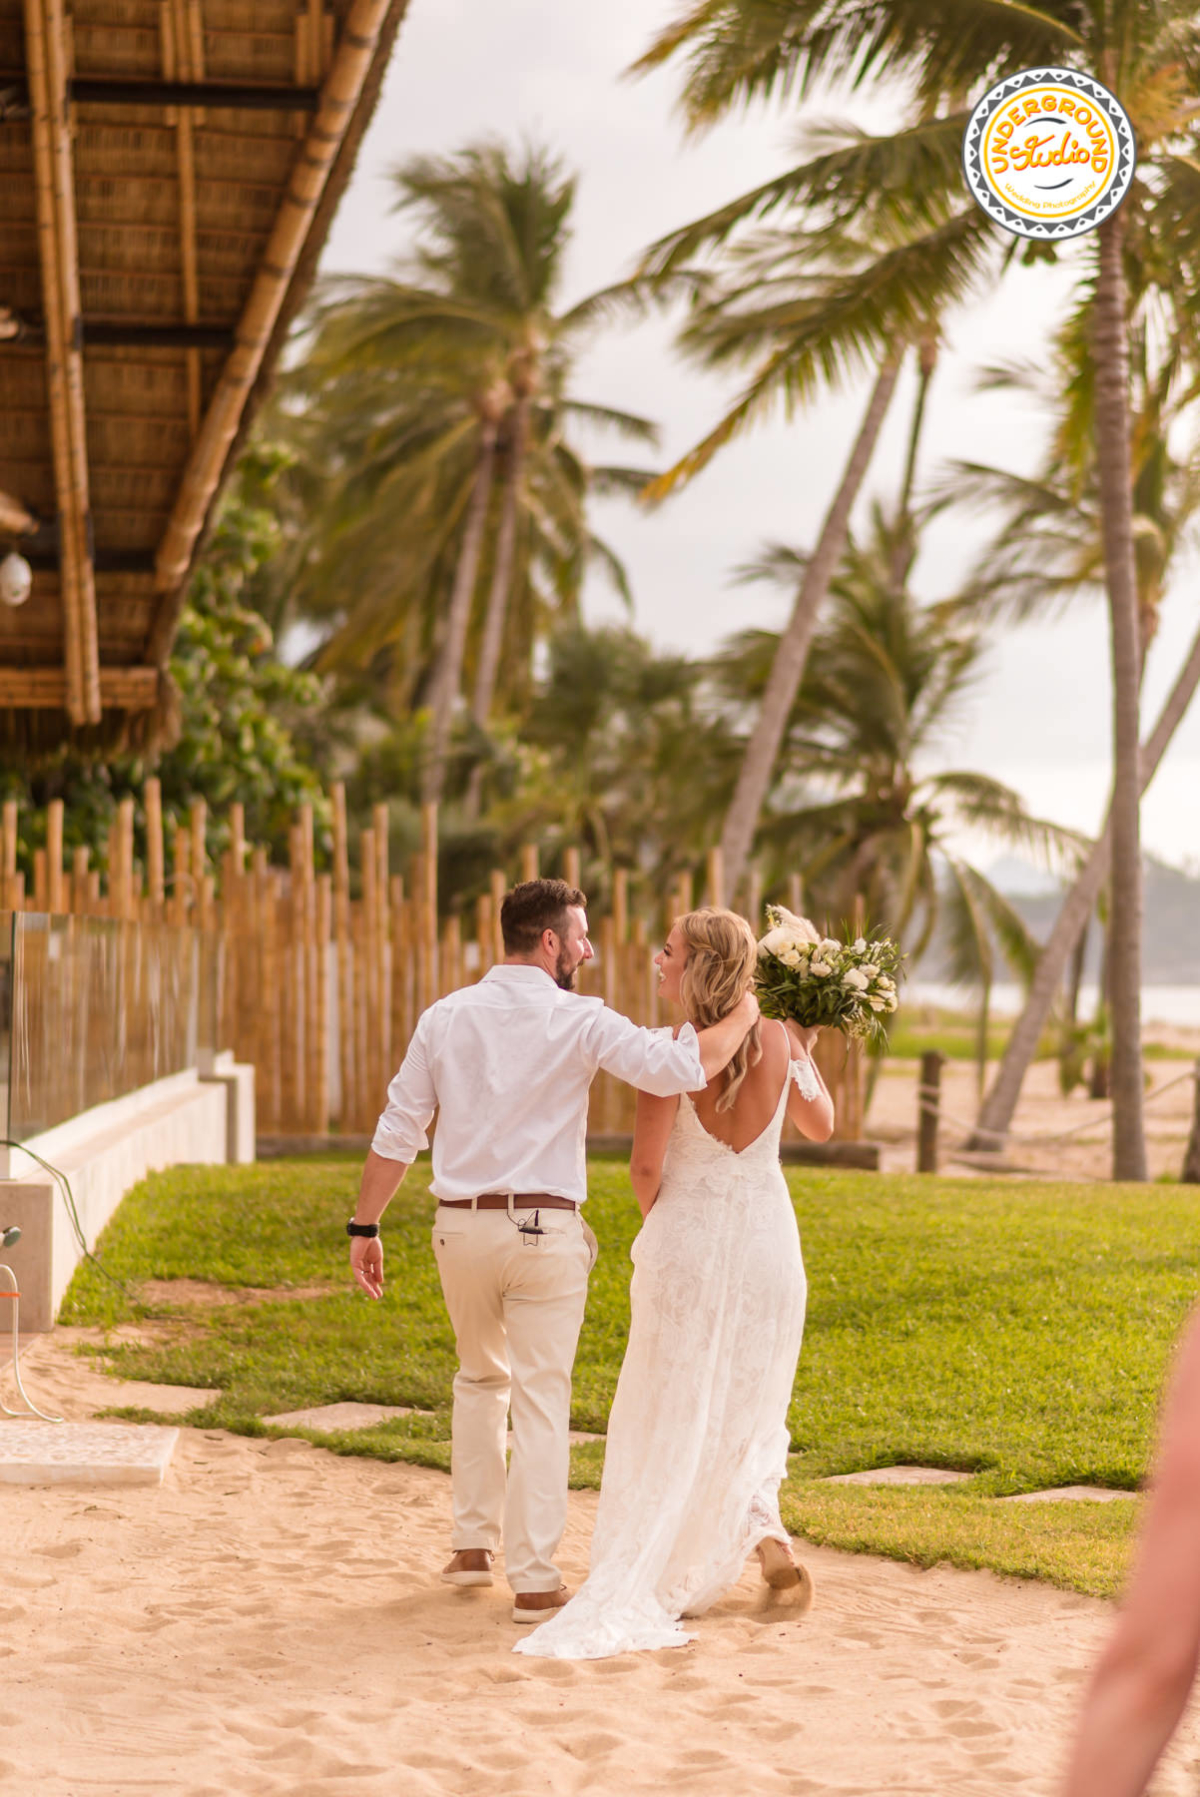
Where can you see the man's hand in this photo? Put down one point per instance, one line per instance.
(747, 1009)
(366, 1263)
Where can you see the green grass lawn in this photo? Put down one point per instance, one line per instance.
(1016, 1331)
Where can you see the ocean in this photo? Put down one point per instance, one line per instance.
(1178, 1005)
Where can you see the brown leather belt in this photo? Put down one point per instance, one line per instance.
(499, 1201)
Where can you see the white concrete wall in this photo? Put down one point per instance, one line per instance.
(187, 1117)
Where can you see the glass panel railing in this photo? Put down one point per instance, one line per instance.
(100, 1008)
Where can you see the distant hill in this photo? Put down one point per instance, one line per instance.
(1171, 944)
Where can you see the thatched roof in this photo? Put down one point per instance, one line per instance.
(168, 173)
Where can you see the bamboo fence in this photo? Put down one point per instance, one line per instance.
(322, 978)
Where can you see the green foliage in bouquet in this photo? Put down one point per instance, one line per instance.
(811, 980)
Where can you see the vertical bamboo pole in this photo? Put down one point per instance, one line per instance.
(324, 914)
(368, 995)
(309, 957)
(41, 896)
(270, 1032)
(128, 896)
(237, 837)
(499, 888)
(382, 972)
(152, 804)
(571, 866)
(754, 901)
(452, 954)
(55, 897)
(80, 895)
(529, 861)
(429, 899)
(483, 931)
(343, 950)
(198, 823)
(795, 896)
(8, 897)
(291, 993)
(715, 877)
(403, 1012)
(179, 904)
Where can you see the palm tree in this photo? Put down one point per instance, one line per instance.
(801, 303)
(438, 403)
(1048, 553)
(1150, 56)
(856, 809)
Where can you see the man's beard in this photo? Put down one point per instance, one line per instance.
(564, 973)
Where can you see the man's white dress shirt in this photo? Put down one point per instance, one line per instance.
(507, 1064)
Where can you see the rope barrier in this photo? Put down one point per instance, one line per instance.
(1003, 1137)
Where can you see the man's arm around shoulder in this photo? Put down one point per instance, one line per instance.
(657, 1063)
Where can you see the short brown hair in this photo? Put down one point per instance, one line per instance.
(534, 906)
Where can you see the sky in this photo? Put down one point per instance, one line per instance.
(538, 70)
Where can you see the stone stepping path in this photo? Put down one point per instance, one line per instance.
(1069, 1494)
(346, 1415)
(350, 1415)
(85, 1453)
(899, 1475)
(941, 1475)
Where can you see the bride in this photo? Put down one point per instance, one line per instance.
(697, 1437)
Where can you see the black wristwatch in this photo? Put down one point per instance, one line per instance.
(367, 1229)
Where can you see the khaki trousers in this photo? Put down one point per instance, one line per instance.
(516, 1302)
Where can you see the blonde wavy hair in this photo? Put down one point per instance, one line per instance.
(722, 956)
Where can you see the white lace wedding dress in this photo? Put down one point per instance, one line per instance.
(697, 1436)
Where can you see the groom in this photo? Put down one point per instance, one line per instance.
(507, 1064)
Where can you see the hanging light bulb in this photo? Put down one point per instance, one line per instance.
(16, 579)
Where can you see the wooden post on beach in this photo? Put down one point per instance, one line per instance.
(929, 1097)
(1191, 1160)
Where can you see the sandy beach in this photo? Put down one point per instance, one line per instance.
(270, 1621)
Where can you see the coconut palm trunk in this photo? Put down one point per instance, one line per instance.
(492, 640)
(447, 679)
(1111, 353)
(787, 670)
(502, 571)
(996, 1112)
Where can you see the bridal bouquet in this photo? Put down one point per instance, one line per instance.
(814, 981)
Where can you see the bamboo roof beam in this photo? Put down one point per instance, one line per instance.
(182, 37)
(45, 51)
(340, 94)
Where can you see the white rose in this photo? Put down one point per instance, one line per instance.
(885, 984)
(890, 1001)
(878, 1004)
(829, 947)
(820, 968)
(856, 980)
(790, 957)
(869, 969)
(860, 945)
(774, 942)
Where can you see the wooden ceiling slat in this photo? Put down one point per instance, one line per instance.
(129, 203)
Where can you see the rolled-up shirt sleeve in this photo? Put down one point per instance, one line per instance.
(652, 1060)
(401, 1132)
